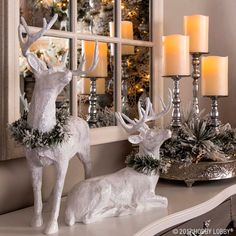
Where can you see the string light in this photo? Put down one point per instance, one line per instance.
(46, 3)
(129, 63)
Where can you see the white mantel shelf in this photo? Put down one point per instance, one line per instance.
(184, 204)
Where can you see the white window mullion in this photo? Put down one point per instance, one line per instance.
(55, 33)
(157, 32)
(74, 58)
(118, 57)
(107, 39)
(73, 94)
(13, 63)
(73, 13)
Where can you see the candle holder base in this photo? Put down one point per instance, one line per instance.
(202, 171)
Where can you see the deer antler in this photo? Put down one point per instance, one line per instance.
(80, 71)
(135, 124)
(166, 108)
(32, 37)
(144, 115)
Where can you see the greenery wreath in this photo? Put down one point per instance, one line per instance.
(146, 164)
(33, 138)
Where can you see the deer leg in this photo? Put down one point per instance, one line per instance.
(88, 169)
(36, 173)
(61, 169)
(47, 207)
(155, 201)
(84, 156)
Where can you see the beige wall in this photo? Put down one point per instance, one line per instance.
(222, 42)
(106, 159)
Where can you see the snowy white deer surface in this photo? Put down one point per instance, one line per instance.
(126, 191)
(49, 82)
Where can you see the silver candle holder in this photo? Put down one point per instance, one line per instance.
(215, 122)
(124, 85)
(92, 109)
(176, 113)
(196, 75)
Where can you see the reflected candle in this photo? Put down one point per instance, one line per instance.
(126, 33)
(176, 59)
(214, 76)
(88, 48)
(197, 27)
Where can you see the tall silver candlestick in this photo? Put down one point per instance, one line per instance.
(176, 115)
(124, 85)
(92, 110)
(196, 75)
(214, 112)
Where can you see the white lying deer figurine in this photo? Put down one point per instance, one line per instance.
(126, 191)
(49, 82)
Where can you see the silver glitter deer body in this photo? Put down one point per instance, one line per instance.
(126, 191)
(49, 82)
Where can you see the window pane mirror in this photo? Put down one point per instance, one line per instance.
(94, 16)
(124, 31)
(95, 91)
(34, 10)
(53, 51)
(138, 14)
(135, 77)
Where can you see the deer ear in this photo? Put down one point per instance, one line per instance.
(135, 139)
(35, 63)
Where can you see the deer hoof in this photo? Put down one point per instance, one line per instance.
(70, 221)
(51, 228)
(36, 221)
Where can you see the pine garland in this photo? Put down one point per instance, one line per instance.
(196, 140)
(146, 164)
(33, 138)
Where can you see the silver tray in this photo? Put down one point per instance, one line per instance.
(202, 171)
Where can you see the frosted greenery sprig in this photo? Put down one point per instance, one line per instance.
(33, 138)
(196, 140)
(146, 164)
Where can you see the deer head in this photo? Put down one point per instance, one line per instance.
(149, 140)
(49, 77)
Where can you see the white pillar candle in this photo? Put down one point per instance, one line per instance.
(214, 76)
(197, 27)
(176, 55)
(88, 48)
(126, 33)
(42, 43)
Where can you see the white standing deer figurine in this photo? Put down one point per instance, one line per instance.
(126, 191)
(49, 82)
